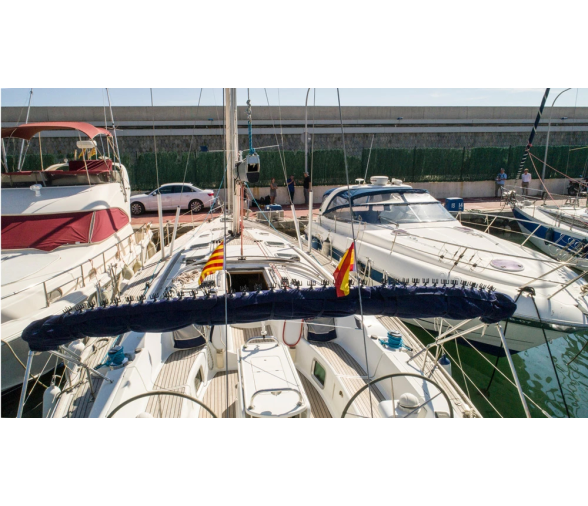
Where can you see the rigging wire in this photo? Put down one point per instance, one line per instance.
(355, 256)
(282, 159)
(154, 142)
(575, 109)
(312, 139)
(368, 160)
(494, 368)
(226, 172)
(190, 148)
(105, 124)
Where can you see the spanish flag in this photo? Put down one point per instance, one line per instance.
(215, 262)
(342, 271)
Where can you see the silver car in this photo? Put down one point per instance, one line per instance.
(186, 195)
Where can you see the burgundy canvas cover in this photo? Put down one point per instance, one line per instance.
(107, 222)
(93, 165)
(45, 232)
(29, 130)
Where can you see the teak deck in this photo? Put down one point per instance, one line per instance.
(82, 400)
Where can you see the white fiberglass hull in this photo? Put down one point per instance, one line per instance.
(21, 309)
(558, 242)
(410, 259)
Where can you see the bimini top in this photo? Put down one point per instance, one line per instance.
(364, 191)
(29, 130)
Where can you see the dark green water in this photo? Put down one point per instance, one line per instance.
(534, 369)
(535, 372)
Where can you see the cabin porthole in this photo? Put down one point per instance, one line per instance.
(198, 380)
(319, 373)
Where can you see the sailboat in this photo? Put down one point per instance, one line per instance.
(242, 322)
(66, 237)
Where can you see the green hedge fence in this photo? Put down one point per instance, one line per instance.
(412, 165)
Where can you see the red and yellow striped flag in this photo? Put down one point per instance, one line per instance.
(215, 262)
(342, 271)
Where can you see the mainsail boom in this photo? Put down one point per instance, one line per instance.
(166, 315)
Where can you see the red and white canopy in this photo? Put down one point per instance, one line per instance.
(29, 130)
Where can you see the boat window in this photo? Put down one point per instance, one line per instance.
(319, 373)
(198, 380)
(393, 214)
(250, 281)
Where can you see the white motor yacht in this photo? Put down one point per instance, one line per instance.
(406, 234)
(66, 237)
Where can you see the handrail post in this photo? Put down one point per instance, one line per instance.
(514, 372)
(25, 383)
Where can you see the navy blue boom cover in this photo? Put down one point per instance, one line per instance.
(166, 315)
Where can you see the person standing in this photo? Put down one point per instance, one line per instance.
(526, 179)
(500, 179)
(273, 191)
(291, 188)
(307, 187)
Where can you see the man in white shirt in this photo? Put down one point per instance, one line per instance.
(526, 179)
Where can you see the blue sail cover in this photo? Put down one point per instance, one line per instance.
(455, 303)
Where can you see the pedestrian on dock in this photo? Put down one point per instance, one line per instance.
(307, 187)
(500, 179)
(291, 188)
(273, 191)
(526, 179)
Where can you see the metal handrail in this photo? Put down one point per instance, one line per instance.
(559, 245)
(272, 390)
(79, 266)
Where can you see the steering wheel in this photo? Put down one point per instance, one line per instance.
(396, 375)
(160, 392)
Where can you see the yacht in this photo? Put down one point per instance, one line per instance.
(559, 231)
(405, 234)
(255, 366)
(66, 238)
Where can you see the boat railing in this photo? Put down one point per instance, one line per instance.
(53, 292)
(567, 252)
(539, 196)
(458, 260)
(55, 176)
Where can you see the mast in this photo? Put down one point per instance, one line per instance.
(232, 149)
(19, 168)
(532, 135)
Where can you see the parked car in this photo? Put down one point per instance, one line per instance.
(187, 196)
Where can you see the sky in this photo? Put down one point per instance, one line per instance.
(18, 97)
